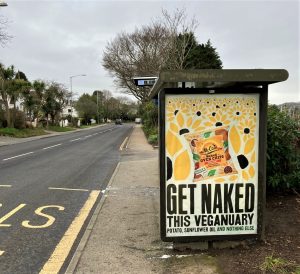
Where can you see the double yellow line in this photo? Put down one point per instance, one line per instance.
(62, 250)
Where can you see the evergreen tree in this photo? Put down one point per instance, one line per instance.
(203, 56)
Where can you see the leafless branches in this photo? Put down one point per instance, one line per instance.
(181, 38)
(147, 50)
(4, 36)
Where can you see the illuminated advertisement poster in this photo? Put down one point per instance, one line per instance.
(211, 164)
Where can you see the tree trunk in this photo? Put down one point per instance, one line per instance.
(47, 121)
(14, 114)
(7, 111)
(6, 105)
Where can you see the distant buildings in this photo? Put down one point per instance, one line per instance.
(69, 109)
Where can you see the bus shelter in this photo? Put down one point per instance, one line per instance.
(212, 141)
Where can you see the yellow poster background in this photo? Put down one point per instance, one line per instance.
(195, 114)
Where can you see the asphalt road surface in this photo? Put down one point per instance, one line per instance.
(48, 191)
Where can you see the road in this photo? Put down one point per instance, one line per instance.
(48, 191)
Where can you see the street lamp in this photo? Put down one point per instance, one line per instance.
(71, 78)
(3, 4)
(98, 114)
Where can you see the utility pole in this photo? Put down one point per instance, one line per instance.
(71, 103)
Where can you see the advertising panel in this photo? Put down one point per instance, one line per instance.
(211, 146)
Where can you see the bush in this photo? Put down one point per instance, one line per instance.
(149, 113)
(153, 139)
(283, 160)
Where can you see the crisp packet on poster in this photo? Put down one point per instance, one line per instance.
(210, 154)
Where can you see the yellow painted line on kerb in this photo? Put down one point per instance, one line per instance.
(5, 185)
(60, 253)
(1, 252)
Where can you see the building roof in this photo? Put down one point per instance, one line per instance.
(218, 78)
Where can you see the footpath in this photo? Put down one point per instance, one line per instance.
(123, 235)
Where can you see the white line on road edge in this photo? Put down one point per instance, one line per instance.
(18, 156)
(129, 138)
(87, 136)
(77, 254)
(124, 142)
(52, 146)
(75, 140)
(63, 188)
(60, 253)
(5, 185)
(1, 252)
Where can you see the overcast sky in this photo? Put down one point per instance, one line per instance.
(54, 40)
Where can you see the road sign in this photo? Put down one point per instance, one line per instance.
(144, 81)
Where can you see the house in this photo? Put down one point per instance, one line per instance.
(68, 109)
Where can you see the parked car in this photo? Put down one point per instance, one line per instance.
(118, 122)
(138, 120)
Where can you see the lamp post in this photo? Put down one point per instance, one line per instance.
(71, 78)
(98, 109)
(98, 114)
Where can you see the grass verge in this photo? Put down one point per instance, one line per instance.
(22, 133)
(87, 126)
(60, 129)
(279, 266)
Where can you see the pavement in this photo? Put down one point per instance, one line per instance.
(123, 234)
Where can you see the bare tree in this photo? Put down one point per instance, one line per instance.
(148, 50)
(140, 53)
(4, 36)
(181, 37)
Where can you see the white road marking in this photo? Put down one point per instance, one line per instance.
(124, 142)
(1, 252)
(70, 189)
(75, 140)
(18, 156)
(52, 146)
(87, 136)
(62, 250)
(5, 185)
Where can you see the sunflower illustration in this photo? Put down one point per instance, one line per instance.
(184, 124)
(244, 151)
(211, 110)
(196, 109)
(249, 107)
(217, 120)
(236, 111)
(174, 107)
(247, 128)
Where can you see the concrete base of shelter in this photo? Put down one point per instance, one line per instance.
(190, 246)
(205, 245)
